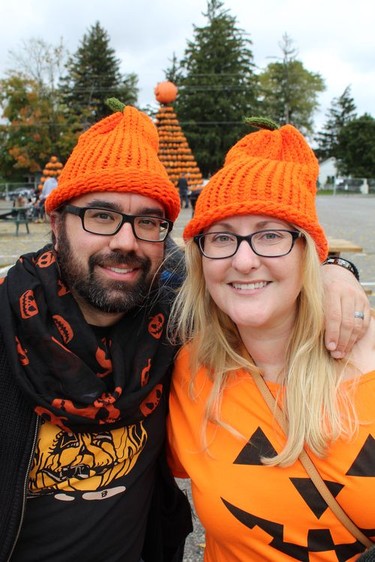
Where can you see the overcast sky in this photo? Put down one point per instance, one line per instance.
(333, 37)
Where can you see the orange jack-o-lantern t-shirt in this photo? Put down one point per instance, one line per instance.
(252, 512)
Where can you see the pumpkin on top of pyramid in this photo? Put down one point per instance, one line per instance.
(174, 150)
(53, 168)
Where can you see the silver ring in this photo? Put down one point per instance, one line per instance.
(359, 314)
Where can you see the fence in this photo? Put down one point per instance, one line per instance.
(355, 185)
(10, 188)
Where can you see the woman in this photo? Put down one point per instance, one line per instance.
(252, 305)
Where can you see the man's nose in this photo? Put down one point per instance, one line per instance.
(124, 239)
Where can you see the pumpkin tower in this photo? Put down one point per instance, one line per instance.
(174, 150)
(53, 168)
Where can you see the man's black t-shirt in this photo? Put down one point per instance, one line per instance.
(90, 493)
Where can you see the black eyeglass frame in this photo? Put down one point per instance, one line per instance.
(199, 240)
(80, 212)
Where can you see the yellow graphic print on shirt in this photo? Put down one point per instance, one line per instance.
(84, 461)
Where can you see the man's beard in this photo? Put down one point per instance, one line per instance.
(107, 296)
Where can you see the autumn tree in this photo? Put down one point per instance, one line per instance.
(35, 123)
(342, 110)
(217, 86)
(93, 75)
(289, 92)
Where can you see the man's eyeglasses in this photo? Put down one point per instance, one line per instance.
(106, 222)
(264, 243)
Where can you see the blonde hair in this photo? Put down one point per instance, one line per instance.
(315, 406)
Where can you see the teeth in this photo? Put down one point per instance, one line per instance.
(120, 270)
(249, 286)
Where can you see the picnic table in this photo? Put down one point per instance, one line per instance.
(17, 215)
(338, 245)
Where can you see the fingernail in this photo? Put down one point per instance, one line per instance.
(337, 354)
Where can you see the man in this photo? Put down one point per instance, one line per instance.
(85, 362)
(183, 188)
(49, 185)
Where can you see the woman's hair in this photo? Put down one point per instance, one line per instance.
(315, 408)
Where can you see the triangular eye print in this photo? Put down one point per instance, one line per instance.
(312, 497)
(257, 447)
(364, 464)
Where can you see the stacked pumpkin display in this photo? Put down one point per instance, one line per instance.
(53, 168)
(174, 150)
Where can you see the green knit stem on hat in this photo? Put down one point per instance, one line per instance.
(115, 104)
(261, 123)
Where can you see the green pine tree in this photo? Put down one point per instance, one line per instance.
(289, 92)
(341, 112)
(93, 75)
(217, 87)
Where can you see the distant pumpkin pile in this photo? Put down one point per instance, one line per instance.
(174, 150)
(53, 168)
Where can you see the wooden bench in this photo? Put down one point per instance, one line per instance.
(338, 245)
(16, 215)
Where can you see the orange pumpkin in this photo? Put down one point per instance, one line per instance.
(165, 92)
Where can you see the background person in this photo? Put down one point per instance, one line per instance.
(20, 201)
(183, 188)
(49, 185)
(251, 308)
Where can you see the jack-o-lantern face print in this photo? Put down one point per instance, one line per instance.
(28, 306)
(46, 259)
(64, 328)
(62, 289)
(156, 324)
(150, 403)
(315, 541)
(22, 353)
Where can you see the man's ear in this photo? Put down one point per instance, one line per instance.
(54, 218)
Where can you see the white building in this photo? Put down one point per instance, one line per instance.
(327, 172)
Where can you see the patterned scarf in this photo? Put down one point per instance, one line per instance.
(74, 378)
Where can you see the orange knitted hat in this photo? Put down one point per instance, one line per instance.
(119, 153)
(270, 172)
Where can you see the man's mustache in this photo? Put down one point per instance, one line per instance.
(129, 259)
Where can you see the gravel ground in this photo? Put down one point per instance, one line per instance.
(194, 546)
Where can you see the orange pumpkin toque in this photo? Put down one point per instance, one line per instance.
(119, 153)
(268, 172)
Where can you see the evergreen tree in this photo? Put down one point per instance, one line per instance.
(356, 147)
(173, 73)
(341, 112)
(217, 87)
(93, 75)
(289, 92)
